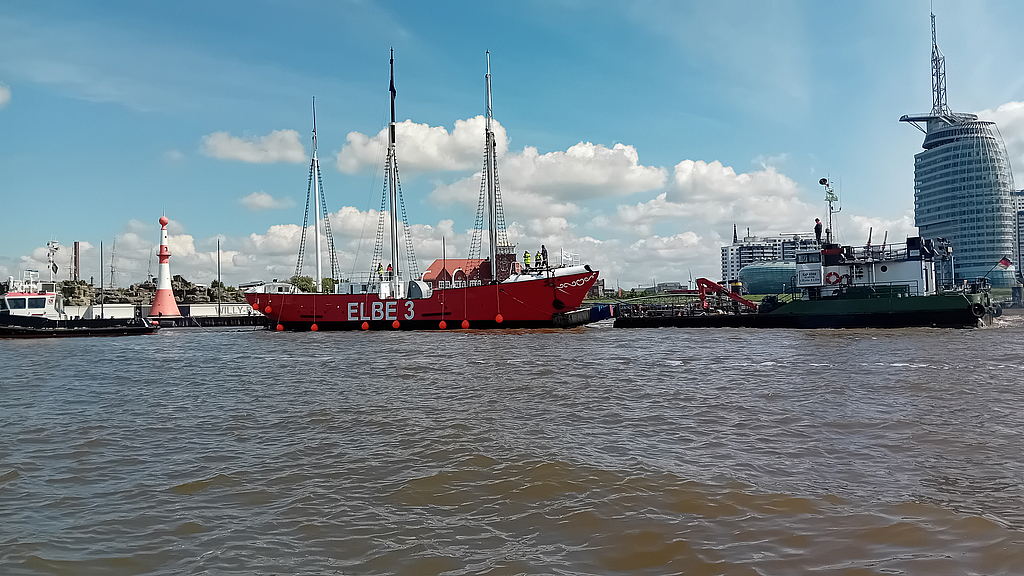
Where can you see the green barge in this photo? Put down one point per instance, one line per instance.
(838, 287)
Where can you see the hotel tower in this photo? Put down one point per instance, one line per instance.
(963, 188)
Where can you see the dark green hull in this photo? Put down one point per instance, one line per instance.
(942, 310)
(39, 327)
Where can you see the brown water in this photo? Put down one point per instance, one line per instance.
(597, 451)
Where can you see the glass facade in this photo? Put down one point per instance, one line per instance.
(963, 192)
(768, 277)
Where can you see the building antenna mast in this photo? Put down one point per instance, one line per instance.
(939, 106)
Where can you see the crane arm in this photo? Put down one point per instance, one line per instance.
(704, 286)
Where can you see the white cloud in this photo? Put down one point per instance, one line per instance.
(700, 181)
(584, 171)
(677, 231)
(264, 201)
(173, 156)
(1010, 119)
(421, 147)
(770, 160)
(523, 203)
(673, 231)
(5, 94)
(711, 195)
(278, 146)
(856, 229)
(552, 184)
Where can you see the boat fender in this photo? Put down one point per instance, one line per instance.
(833, 278)
(558, 304)
(978, 309)
(998, 312)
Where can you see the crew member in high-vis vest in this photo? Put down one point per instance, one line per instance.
(526, 258)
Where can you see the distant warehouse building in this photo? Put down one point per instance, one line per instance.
(963, 188)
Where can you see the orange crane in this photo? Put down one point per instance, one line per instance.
(704, 286)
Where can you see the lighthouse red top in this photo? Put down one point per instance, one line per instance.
(163, 221)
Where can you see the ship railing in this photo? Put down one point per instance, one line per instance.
(661, 307)
(968, 285)
(876, 253)
(896, 289)
(658, 310)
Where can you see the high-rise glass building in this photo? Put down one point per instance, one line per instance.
(963, 187)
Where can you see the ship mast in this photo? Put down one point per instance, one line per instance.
(316, 210)
(490, 176)
(392, 167)
(51, 248)
(831, 199)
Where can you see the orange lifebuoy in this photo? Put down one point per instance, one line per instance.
(833, 278)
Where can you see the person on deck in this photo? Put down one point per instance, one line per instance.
(380, 271)
(540, 262)
(544, 253)
(526, 259)
(390, 273)
(817, 230)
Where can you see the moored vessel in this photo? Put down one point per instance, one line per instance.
(499, 293)
(32, 308)
(835, 286)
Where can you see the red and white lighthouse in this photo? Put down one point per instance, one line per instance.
(164, 304)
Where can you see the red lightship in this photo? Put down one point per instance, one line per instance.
(493, 292)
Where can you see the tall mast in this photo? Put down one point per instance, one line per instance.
(489, 166)
(316, 210)
(101, 279)
(51, 249)
(831, 199)
(939, 106)
(393, 183)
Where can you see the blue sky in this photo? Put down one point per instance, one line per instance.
(637, 132)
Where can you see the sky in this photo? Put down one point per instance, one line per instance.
(635, 134)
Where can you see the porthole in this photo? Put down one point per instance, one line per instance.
(885, 268)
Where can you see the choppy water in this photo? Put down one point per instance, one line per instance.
(597, 451)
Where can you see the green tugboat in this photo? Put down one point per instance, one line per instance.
(886, 286)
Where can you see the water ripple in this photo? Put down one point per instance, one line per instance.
(596, 451)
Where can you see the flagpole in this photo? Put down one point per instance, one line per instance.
(997, 264)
